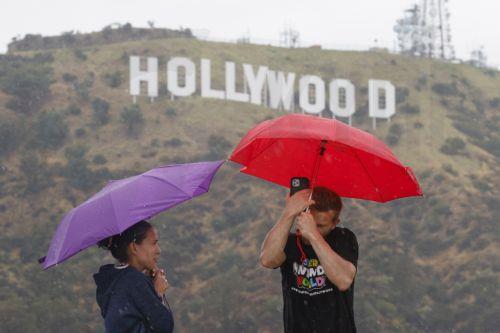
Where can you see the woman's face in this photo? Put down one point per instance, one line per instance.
(148, 251)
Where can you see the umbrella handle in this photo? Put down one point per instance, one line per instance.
(310, 197)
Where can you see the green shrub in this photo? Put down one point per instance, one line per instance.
(395, 132)
(429, 247)
(481, 185)
(439, 178)
(124, 58)
(410, 109)
(174, 142)
(470, 127)
(422, 81)
(35, 171)
(50, 130)
(170, 112)
(243, 213)
(29, 83)
(449, 168)
(149, 153)
(113, 80)
(80, 132)
(99, 159)
(43, 57)
(453, 146)
(82, 89)
(69, 78)
(73, 110)
(218, 147)
(68, 38)
(101, 114)
(75, 152)
(445, 89)
(479, 105)
(80, 54)
(155, 142)
(10, 135)
(401, 94)
(495, 103)
(76, 170)
(220, 224)
(132, 117)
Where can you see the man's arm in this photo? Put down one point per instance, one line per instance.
(272, 253)
(338, 270)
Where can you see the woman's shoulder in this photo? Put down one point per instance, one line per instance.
(132, 276)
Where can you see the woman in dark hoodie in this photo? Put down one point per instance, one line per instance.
(131, 294)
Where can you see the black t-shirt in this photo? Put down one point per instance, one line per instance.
(311, 302)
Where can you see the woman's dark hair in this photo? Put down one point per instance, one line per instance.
(118, 244)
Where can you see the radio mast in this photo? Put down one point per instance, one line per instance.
(289, 37)
(425, 30)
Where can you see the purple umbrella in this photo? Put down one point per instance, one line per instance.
(122, 203)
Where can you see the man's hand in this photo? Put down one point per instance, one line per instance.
(307, 226)
(297, 203)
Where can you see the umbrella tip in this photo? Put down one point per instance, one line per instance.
(42, 260)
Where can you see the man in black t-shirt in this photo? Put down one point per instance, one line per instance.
(317, 268)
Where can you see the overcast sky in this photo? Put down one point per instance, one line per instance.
(337, 24)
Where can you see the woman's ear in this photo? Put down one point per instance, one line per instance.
(132, 248)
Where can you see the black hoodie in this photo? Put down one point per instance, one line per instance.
(129, 302)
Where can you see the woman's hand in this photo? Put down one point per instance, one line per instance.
(160, 281)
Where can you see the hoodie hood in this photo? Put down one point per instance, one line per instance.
(106, 279)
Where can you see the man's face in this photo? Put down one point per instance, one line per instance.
(148, 252)
(325, 221)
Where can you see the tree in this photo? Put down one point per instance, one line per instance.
(113, 80)
(478, 58)
(50, 130)
(218, 146)
(28, 82)
(101, 108)
(133, 119)
(77, 171)
(35, 171)
(10, 135)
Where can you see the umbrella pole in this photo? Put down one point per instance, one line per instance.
(322, 149)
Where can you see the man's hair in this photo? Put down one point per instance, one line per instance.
(325, 200)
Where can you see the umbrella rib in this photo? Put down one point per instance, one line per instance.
(253, 137)
(263, 150)
(110, 198)
(169, 183)
(369, 176)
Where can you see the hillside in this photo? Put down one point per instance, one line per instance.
(67, 124)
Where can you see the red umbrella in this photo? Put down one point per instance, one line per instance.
(345, 159)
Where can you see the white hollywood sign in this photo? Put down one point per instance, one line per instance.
(265, 87)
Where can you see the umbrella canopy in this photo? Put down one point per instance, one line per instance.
(345, 159)
(122, 203)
